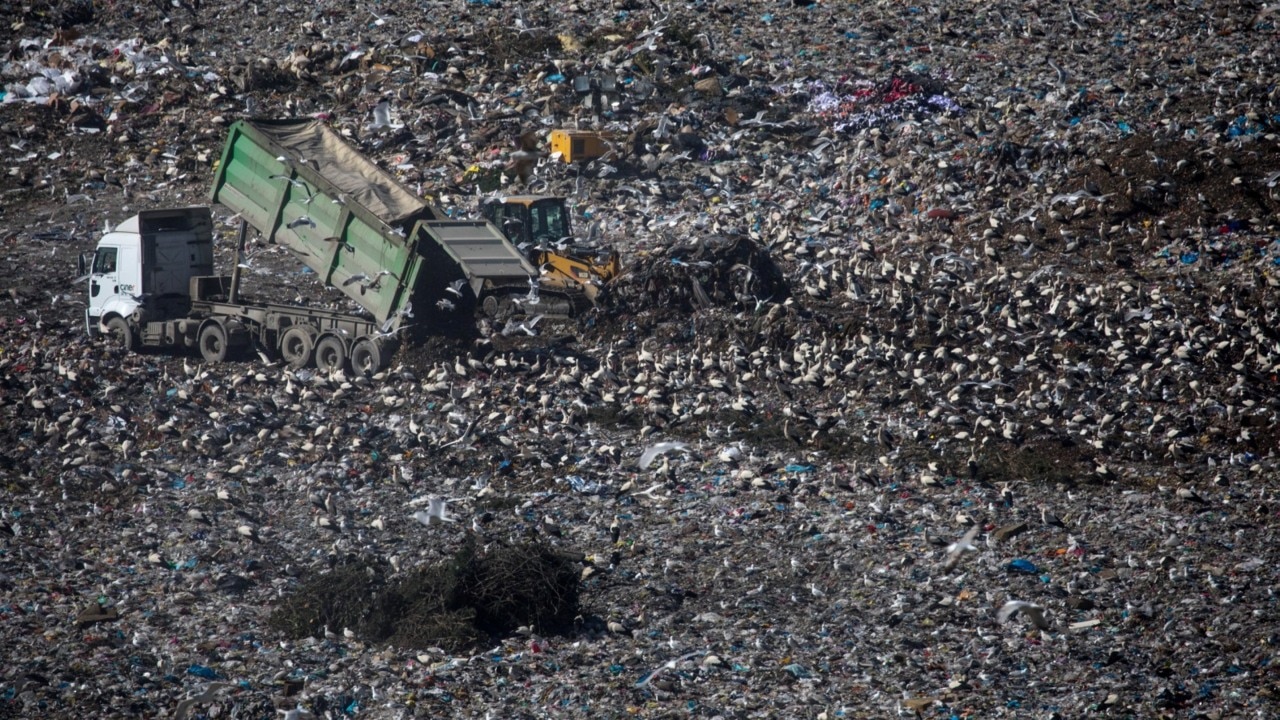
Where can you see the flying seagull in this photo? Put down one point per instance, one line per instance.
(456, 286)
(513, 326)
(382, 117)
(958, 548)
(1034, 612)
(209, 695)
(524, 160)
(437, 511)
(652, 452)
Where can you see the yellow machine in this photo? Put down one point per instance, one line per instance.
(539, 225)
(579, 145)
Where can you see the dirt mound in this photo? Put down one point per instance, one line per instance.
(457, 604)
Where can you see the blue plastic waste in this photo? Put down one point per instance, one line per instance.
(1025, 566)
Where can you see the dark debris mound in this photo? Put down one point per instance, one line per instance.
(732, 272)
(457, 604)
(339, 599)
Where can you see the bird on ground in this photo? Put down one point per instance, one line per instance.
(297, 713)
(1050, 519)
(1033, 612)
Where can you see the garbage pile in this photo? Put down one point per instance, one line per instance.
(938, 381)
(725, 272)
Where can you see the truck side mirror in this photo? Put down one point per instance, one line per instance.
(84, 263)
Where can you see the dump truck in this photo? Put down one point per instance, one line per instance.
(299, 184)
(540, 227)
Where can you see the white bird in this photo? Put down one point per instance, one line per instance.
(303, 220)
(456, 286)
(532, 298)
(437, 511)
(1034, 612)
(382, 116)
(958, 548)
(210, 693)
(513, 326)
(669, 665)
(730, 454)
(366, 282)
(297, 713)
(653, 451)
(296, 183)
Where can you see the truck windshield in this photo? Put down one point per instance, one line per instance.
(105, 260)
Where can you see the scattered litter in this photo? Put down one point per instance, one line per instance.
(919, 309)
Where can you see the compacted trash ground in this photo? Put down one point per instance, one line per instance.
(940, 379)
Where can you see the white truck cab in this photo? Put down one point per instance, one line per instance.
(150, 256)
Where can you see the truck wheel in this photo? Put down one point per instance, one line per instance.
(121, 335)
(368, 356)
(297, 347)
(213, 343)
(331, 354)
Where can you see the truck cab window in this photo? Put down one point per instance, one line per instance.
(105, 261)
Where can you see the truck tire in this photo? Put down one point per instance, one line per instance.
(121, 335)
(297, 347)
(331, 354)
(369, 355)
(213, 342)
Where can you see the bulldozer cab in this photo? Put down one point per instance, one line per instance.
(530, 221)
(539, 226)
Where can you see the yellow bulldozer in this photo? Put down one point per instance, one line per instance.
(539, 225)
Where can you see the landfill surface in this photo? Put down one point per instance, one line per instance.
(927, 309)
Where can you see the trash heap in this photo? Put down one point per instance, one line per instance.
(938, 381)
